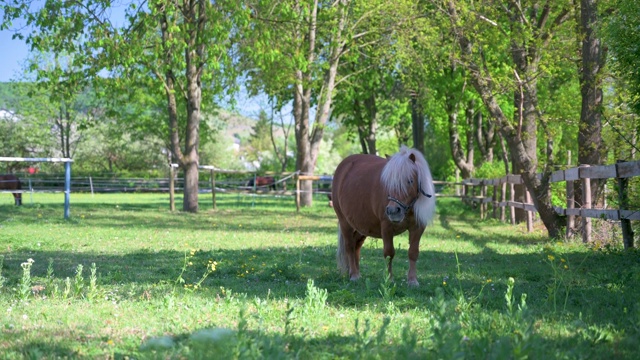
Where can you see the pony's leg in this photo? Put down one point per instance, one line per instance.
(358, 240)
(389, 250)
(414, 251)
(352, 241)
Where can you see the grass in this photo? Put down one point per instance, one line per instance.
(125, 278)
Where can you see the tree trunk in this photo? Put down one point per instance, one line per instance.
(282, 156)
(362, 139)
(372, 122)
(194, 55)
(192, 136)
(485, 136)
(190, 191)
(366, 125)
(67, 133)
(634, 142)
(308, 143)
(360, 125)
(417, 123)
(303, 160)
(463, 161)
(590, 128)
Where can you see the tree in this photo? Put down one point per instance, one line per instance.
(260, 138)
(63, 98)
(356, 104)
(301, 67)
(528, 29)
(280, 149)
(591, 70)
(179, 49)
(369, 100)
(622, 32)
(22, 133)
(22, 137)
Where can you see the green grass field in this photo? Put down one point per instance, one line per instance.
(126, 278)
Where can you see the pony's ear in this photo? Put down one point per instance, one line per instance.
(412, 157)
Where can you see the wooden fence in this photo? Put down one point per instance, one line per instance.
(478, 193)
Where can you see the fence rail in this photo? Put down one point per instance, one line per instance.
(620, 171)
(107, 185)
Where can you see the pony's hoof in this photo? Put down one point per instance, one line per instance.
(412, 283)
(355, 278)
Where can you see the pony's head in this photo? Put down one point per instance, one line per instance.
(407, 179)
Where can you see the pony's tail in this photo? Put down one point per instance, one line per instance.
(341, 256)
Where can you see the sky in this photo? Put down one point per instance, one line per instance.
(12, 54)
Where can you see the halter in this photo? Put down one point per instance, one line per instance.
(404, 206)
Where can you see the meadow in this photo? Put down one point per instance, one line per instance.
(124, 278)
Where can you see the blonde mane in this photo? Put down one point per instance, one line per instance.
(401, 167)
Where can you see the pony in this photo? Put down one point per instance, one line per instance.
(11, 182)
(382, 198)
(266, 181)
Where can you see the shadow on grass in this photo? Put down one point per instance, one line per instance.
(358, 343)
(597, 286)
(40, 349)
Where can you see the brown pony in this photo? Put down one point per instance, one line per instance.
(11, 182)
(382, 198)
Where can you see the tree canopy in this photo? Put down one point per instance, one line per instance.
(474, 85)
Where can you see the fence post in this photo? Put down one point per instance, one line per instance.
(494, 198)
(213, 188)
(483, 205)
(30, 191)
(586, 196)
(67, 187)
(172, 189)
(91, 185)
(571, 219)
(473, 193)
(466, 194)
(623, 197)
(503, 196)
(512, 198)
(297, 192)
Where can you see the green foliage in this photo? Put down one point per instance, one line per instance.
(343, 142)
(491, 170)
(328, 157)
(23, 133)
(107, 148)
(260, 139)
(25, 283)
(49, 286)
(622, 34)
